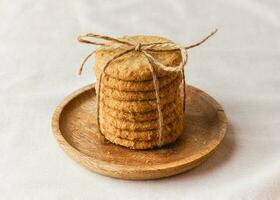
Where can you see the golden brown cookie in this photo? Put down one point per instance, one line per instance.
(140, 135)
(164, 92)
(137, 106)
(137, 86)
(167, 138)
(134, 66)
(138, 117)
(139, 126)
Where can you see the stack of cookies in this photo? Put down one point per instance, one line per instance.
(128, 109)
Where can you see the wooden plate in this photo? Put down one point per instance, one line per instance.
(75, 128)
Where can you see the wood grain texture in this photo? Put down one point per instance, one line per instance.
(75, 128)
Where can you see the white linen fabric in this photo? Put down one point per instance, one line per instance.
(240, 67)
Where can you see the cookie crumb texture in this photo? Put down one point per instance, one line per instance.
(128, 106)
(134, 66)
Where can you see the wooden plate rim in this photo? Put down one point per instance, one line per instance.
(156, 167)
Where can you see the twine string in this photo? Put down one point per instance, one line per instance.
(131, 45)
(203, 40)
(100, 78)
(156, 87)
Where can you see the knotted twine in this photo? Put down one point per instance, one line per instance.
(132, 45)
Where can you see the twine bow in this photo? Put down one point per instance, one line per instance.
(131, 45)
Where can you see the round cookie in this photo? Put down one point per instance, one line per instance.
(134, 66)
(140, 135)
(137, 86)
(138, 117)
(137, 106)
(139, 126)
(169, 89)
(140, 144)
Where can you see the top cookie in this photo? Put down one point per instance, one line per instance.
(134, 66)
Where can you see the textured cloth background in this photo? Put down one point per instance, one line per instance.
(240, 67)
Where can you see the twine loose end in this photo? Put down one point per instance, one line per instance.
(203, 40)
